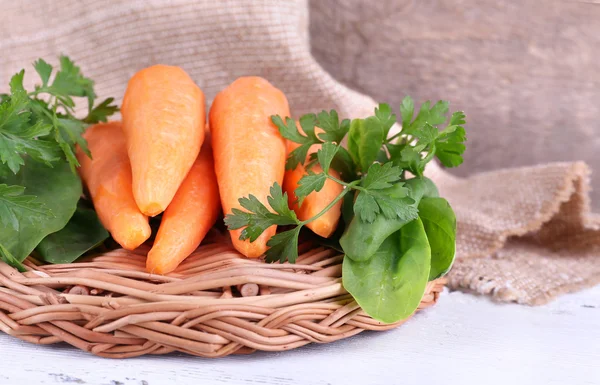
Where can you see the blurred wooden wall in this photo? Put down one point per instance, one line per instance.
(527, 73)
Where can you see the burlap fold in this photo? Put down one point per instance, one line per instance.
(525, 234)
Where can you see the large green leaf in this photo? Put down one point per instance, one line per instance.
(362, 239)
(440, 226)
(57, 188)
(364, 141)
(83, 232)
(390, 285)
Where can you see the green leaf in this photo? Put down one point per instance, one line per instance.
(382, 196)
(57, 188)
(439, 222)
(288, 129)
(10, 259)
(278, 200)
(326, 154)
(101, 112)
(14, 206)
(18, 135)
(437, 114)
(309, 183)
(386, 117)
(44, 70)
(407, 109)
(330, 124)
(390, 285)
(297, 156)
(16, 85)
(68, 134)
(348, 208)
(450, 147)
(258, 218)
(284, 246)
(406, 158)
(364, 141)
(307, 123)
(82, 233)
(458, 118)
(381, 176)
(382, 156)
(420, 120)
(362, 239)
(366, 207)
(394, 203)
(343, 163)
(69, 81)
(427, 135)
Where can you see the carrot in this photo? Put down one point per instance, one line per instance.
(249, 151)
(108, 179)
(316, 201)
(192, 212)
(163, 119)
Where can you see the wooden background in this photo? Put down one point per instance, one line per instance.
(527, 73)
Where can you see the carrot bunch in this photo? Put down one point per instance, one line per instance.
(157, 161)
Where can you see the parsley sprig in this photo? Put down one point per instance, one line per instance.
(374, 166)
(41, 125)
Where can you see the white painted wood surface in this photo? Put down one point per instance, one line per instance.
(463, 340)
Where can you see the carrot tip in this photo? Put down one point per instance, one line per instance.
(152, 209)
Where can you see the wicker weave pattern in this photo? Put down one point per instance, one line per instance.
(215, 304)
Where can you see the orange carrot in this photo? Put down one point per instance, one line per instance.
(163, 119)
(192, 212)
(108, 180)
(249, 151)
(316, 201)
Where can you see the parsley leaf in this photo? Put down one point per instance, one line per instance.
(258, 217)
(18, 135)
(366, 207)
(405, 157)
(69, 82)
(44, 70)
(289, 130)
(425, 138)
(395, 203)
(381, 176)
(450, 147)
(278, 200)
(284, 246)
(309, 183)
(326, 154)
(334, 131)
(47, 130)
(386, 117)
(427, 135)
(407, 109)
(392, 202)
(101, 112)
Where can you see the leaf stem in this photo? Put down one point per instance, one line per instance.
(352, 185)
(389, 140)
(330, 205)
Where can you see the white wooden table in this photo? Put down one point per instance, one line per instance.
(463, 340)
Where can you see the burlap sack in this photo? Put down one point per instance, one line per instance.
(525, 234)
